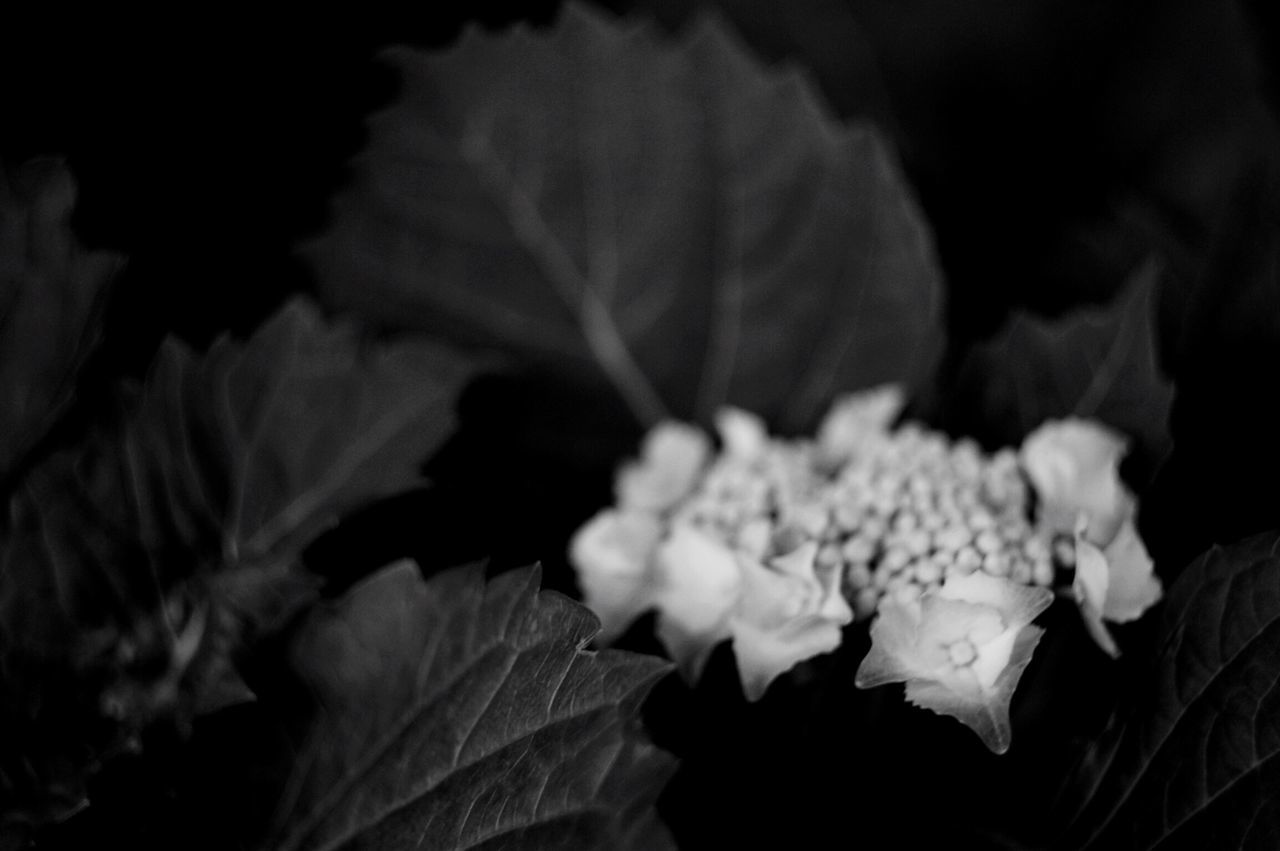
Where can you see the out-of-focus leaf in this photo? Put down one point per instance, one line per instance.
(459, 714)
(1197, 764)
(1220, 335)
(662, 217)
(51, 294)
(1099, 363)
(138, 565)
(315, 422)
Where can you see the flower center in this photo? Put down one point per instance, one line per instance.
(962, 653)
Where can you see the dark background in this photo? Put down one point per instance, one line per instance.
(1053, 145)
(206, 147)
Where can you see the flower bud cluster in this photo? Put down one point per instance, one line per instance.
(896, 512)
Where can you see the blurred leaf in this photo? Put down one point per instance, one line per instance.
(460, 714)
(1195, 766)
(51, 296)
(665, 218)
(824, 37)
(137, 566)
(1096, 362)
(314, 422)
(1220, 336)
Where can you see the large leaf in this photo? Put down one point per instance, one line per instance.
(138, 564)
(1098, 362)
(460, 714)
(51, 295)
(1198, 763)
(665, 218)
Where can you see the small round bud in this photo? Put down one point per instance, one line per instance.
(858, 575)
(952, 538)
(873, 528)
(967, 560)
(919, 485)
(1014, 528)
(858, 548)
(1042, 572)
(828, 556)
(980, 520)
(889, 482)
(932, 521)
(996, 564)
(1035, 548)
(864, 605)
(918, 542)
(927, 571)
(848, 515)
(895, 559)
(988, 542)
(883, 505)
(1064, 551)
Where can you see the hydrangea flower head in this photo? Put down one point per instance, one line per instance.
(1074, 466)
(960, 650)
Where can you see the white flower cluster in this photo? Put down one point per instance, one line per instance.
(776, 545)
(894, 512)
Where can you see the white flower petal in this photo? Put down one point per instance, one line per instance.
(1091, 585)
(983, 710)
(835, 607)
(918, 643)
(698, 584)
(786, 614)
(1017, 603)
(993, 657)
(1073, 465)
(671, 461)
(690, 651)
(894, 656)
(856, 416)
(772, 598)
(1134, 587)
(764, 654)
(612, 554)
(743, 435)
(798, 562)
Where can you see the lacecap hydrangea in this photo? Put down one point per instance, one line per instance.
(778, 545)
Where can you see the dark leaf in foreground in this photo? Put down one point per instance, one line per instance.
(665, 218)
(1198, 763)
(138, 565)
(458, 714)
(51, 295)
(1098, 362)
